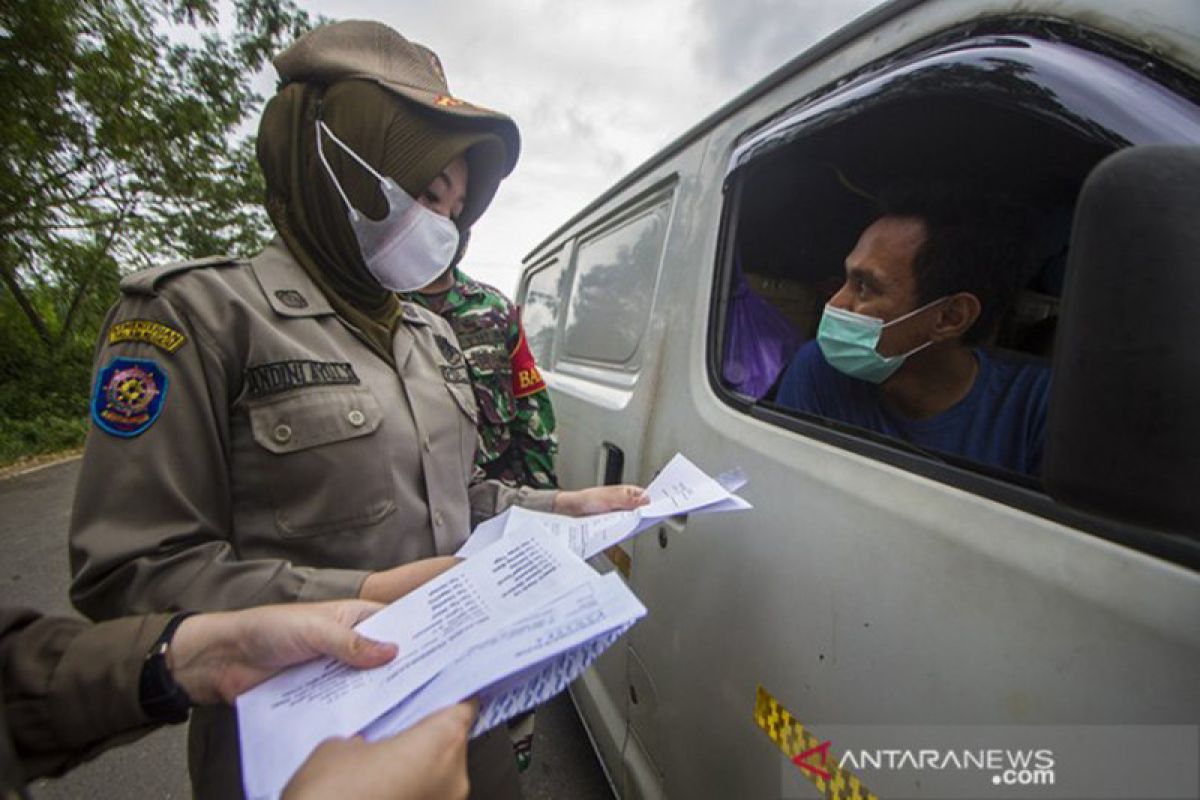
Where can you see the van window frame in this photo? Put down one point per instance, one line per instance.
(555, 258)
(660, 193)
(939, 467)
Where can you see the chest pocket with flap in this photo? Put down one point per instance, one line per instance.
(329, 468)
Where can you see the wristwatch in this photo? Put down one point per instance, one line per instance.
(161, 698)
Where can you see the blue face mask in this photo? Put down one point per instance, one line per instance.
(848, 342)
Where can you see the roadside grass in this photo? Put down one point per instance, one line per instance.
(44, 395)
(25, 438)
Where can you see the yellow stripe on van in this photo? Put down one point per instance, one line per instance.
(796, 741)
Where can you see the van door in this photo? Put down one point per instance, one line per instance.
(877, 583)
(588, 312)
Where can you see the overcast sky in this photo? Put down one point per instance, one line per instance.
(596, 87)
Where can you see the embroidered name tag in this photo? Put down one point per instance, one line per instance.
(164, 337)
(493, 337)
(281, 376)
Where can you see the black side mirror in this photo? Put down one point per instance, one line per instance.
(1123, 431)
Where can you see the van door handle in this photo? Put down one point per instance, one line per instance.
(670, 526)
(614, 464)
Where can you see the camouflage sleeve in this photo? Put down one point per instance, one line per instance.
(533, 441)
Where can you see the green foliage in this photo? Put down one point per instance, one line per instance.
(47, 434)
(119, 148)
(43, 397)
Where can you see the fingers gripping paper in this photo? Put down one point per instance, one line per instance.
(513, 625)
(680, 488)
(281, 721)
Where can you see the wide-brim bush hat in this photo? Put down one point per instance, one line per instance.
(366, 50)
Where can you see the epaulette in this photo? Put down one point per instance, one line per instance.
(146, 281)
(414, 314)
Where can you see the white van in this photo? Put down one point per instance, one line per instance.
(875, 583)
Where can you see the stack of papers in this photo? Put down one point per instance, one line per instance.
(519, 619)
(681, 488)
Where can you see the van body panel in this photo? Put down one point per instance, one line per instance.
(874, 596)
(613, 402)
(606, 722)
(857, 592)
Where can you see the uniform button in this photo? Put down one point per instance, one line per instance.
(425, 443)
(356, 418)
(283, 433)
(437, 518)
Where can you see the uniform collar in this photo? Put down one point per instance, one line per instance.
(286, 285)
(462, 288)
(412, 315)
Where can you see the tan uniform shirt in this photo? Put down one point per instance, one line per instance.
(70, 690)
(286, 461)
(250, 448)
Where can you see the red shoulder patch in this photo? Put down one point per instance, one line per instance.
(526, 379)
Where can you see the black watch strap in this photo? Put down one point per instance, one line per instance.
(161, 698)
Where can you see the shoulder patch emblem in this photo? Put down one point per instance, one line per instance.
(164, 337)
(129, 395)
(526, 379)
(449, 351)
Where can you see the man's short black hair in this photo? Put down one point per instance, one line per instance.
(973, 243)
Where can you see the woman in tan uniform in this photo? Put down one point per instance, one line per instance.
(284, 428)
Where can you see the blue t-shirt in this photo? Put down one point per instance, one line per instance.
(1000, 422)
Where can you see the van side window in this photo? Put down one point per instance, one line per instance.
(539, 315)
(613, 288)
(893, 253)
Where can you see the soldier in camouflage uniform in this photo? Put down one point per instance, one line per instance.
(516, 421)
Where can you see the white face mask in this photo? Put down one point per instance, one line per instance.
(407, 249)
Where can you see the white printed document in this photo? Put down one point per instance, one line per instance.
(282, 720)
(681, 488)
(528, 662)
(513, 625)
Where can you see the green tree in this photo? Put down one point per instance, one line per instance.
(119, 142)
(119, 147)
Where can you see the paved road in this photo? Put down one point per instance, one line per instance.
(34, 509)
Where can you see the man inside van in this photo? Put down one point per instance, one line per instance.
(898, 347)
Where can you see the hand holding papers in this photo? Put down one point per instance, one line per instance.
(282, 720)
(681, 488)
(513, 624)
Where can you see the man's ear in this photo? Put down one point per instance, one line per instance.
(956, 316)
